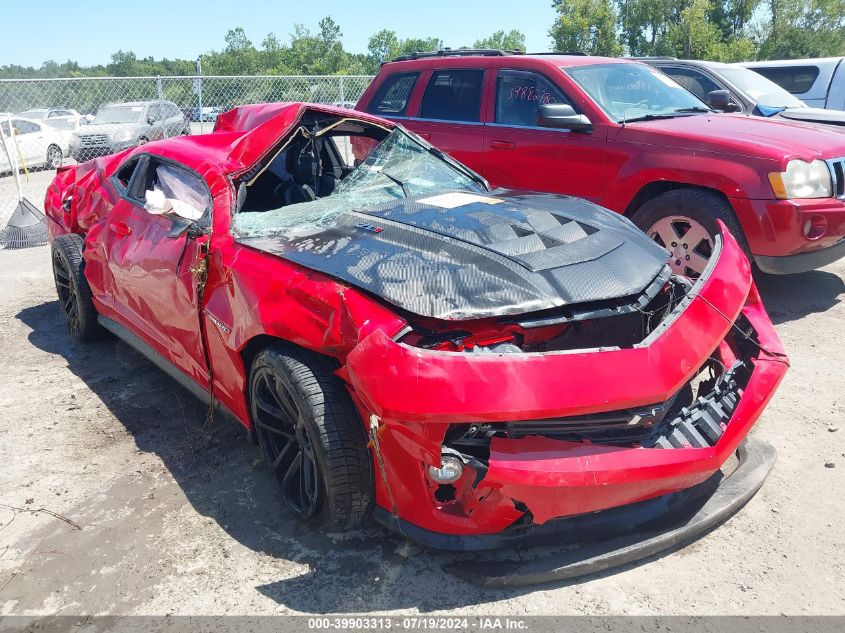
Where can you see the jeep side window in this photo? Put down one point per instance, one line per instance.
(391, 98)
(696, 82)
(520, 93)
(453, 95)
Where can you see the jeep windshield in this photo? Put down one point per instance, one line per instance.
(400, 166)
(119, 114)
(629, 92)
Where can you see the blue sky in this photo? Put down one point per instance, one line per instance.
(89, 32)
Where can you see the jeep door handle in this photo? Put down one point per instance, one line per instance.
(121, 229)
(502, 145)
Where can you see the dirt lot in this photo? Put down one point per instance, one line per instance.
(174, 520)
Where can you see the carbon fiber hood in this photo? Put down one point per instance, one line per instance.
(499, 254)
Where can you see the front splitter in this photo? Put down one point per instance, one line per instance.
(587, 544)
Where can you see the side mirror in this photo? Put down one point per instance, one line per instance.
(150, 120)
(721, 100)
(560, 115)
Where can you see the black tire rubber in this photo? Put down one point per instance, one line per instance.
(72, 287)
(705, 207)
(334, 427)
(51, 164)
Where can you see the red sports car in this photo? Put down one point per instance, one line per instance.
(471, 367)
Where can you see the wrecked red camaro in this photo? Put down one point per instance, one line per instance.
(472, 367)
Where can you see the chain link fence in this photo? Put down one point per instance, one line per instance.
(55, 122)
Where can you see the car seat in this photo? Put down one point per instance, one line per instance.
(309, 181)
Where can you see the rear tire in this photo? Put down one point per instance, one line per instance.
(75, 299)
(55, 157)
(684, 222)
(312, 437)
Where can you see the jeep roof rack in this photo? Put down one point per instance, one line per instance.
(458, 52)
(579, 53)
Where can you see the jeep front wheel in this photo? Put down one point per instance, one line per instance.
(684, 222)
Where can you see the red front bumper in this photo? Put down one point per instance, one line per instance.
(776, 228)
(415, 394)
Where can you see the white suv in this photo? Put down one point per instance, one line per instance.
(820, 83)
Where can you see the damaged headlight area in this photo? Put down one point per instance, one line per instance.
(619, 323)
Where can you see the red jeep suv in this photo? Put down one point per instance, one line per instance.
(624, 135)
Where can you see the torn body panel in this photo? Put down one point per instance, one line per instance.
(546, 477)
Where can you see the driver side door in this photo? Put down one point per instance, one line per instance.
(518, 154)
(151, 264)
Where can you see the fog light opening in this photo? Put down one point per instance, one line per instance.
(451, 469)
(815, 227)
(445, 492)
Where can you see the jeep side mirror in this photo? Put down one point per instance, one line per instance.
(721, 100)
(150, 120)
(563, 116)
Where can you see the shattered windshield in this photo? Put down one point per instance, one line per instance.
(399, 167)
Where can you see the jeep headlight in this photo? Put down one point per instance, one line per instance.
(802, 180)
(122, 136)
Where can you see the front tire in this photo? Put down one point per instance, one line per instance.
(684, 222)
(312, 438)
(75, 299)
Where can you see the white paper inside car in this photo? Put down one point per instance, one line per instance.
(177, 193)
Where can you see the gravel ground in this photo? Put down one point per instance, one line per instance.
(174, 520)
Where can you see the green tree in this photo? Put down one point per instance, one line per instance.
(587, 26)
(803, 28)
(694, 35)
(513, 40)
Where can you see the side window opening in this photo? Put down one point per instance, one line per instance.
(123, 176)
(519, 95)
(794, 79)
(697, 83)
(164, 188)
(453, 95)
(169, 189)
(392, 96)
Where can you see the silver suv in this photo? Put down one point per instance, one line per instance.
(122, 125)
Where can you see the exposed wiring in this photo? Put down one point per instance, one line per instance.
(775, 356)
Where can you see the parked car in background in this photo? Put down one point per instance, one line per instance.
(208, 114)
(122, 125)
(284, 280)
(626, 136)
(732, 88)
(35, 143)
(59, 118)
(820, 83)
